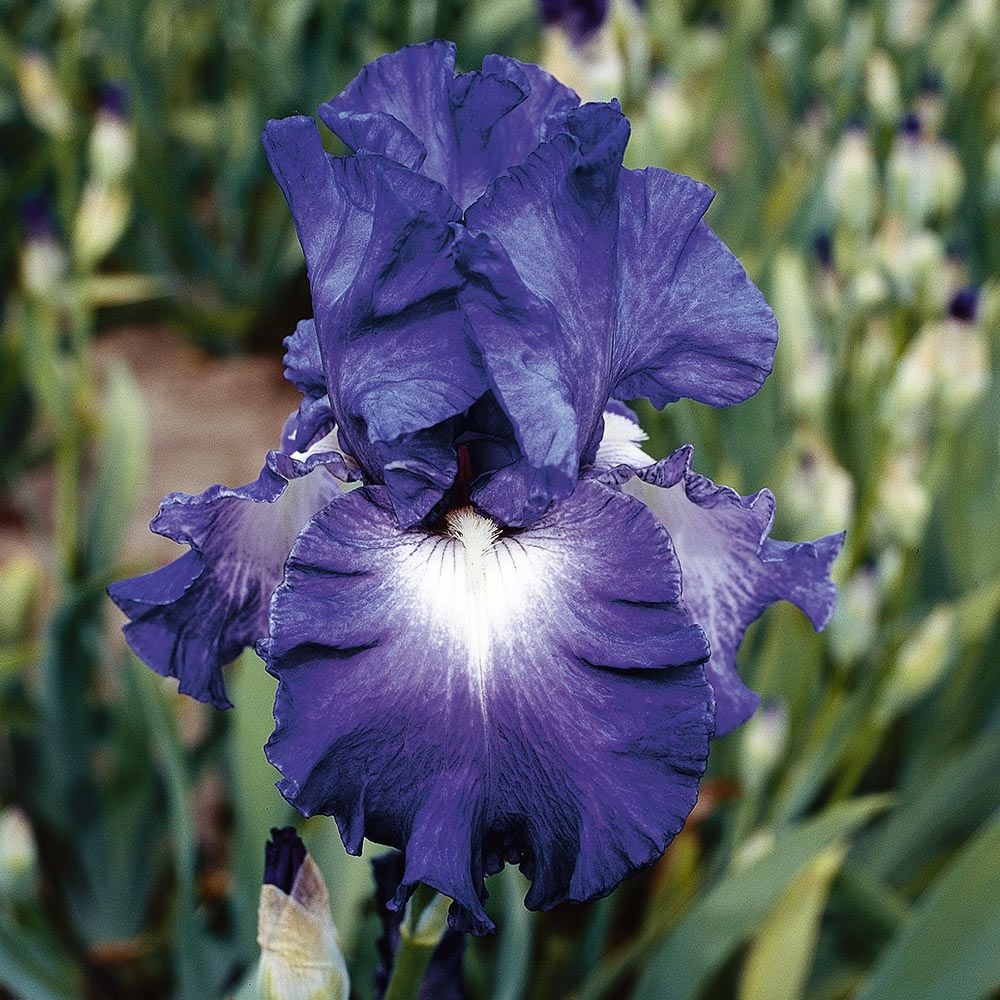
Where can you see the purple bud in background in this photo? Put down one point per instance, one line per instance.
(911, 125)
(578, 18)
(964, 304)
(112, 100)
(35, 215)
(823, 248)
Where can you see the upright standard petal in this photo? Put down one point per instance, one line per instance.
(689, 323)
(195, 615)
(643, 300)
(473, 697)
(540, 302)
(380, 252)
(463, 130)
(731, 570)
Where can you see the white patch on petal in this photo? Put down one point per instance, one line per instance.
(621, 442)
(476, 586)
(329, 442)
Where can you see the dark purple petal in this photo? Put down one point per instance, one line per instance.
(540, 301)
(471, 699)
(381, 255)
(690, 322)
(443, 979)
(195, 615)
(283, 857)
(732, 571)
(462, 130)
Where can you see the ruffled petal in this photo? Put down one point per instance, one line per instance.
(381, 255)
(732, 571)
(462, 130)
(475, 698)
(643, 300)
(690, 322)
(443, 978)
(540, 300)
(195, 615)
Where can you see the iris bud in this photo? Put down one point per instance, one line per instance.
(112, 140)
(882, 86)
(20, 586)
(903, 504)
(920, 662)
(18, 855)
(818, 492)
(100, 220)
(43, 260)
(41, 96)
(855, 622)
(852, 181)
(764, 740)
(924, 178)
(300, 956)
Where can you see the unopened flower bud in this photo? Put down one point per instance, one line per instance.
(44, 263)
(924, 177)
(818, 493)
(852, 186)
(112, 139)
(903, 505)
(943, 372)
(42, 98)
(920, 662)
(18, 855)
(100, 220)
(764, 738)
(852, 629)
(300, 955)
(882, 86)
(915, 262)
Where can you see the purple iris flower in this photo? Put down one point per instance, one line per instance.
(513, 641)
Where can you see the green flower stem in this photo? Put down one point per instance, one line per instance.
(423, 925)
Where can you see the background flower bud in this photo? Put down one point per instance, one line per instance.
(41, 96)
(920, 662)
(18, 855)
(764, 739)
(300, 955)
(852, 186)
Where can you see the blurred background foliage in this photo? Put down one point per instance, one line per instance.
(847, 840)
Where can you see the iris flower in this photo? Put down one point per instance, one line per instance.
(501, 632)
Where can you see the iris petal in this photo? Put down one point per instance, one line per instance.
(645, 299)
(471, 697)
(380, 252)
(193, 616)
(732, 570)
(462, 130)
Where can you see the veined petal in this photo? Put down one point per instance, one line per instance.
(540, 298)
(193, 616)
(463, 130)
(380, 251)
(690, 323)
(731, 569)
(474, 698)
(591, 282)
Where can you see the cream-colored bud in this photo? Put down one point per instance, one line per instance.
(903, 505)
(854, 624)
(111, 149)
(18, 854)
(44, 266)
(671, 117)
(100, 221)
(920, 662)
(882, 86)
(852, 184)
(41, 95)
(595, 68)
(817, 493)
(764, 739)
(300, 955)
(943, 372)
